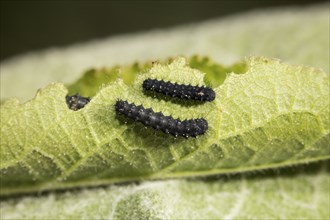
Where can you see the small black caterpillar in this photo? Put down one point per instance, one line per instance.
(156, 120)
(179, 90)
(76, 101)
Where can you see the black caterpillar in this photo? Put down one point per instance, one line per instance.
(179, 90)
(156, 120)
(76, 101)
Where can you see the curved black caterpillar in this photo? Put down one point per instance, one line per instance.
(156, 120)
(179, 90)
(76, 101)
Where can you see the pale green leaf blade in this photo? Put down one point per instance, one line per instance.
(273, 115)
(291, 193)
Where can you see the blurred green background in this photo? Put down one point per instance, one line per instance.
(33, 25)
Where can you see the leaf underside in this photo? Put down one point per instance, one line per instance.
(270, 115)
(290, 193)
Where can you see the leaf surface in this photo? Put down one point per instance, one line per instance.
(296, 35)
(290, 193)
(272, 115)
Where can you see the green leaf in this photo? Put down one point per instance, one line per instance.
(90, 83)
(271, 116)
(296, 35)
(290, 193)
(215, 74)
(92, 80)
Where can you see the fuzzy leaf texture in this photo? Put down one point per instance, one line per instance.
(271, 116)
(299, 193)
(296, 35)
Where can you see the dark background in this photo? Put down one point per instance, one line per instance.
(30, 25)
